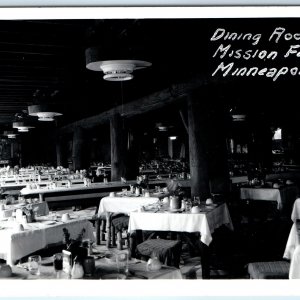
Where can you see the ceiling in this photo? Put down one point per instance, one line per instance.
(43, 61)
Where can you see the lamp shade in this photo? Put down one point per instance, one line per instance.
(114, 70)
(10, 134)
(22, 126)
(44, 112)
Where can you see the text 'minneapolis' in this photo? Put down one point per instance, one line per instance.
(226, 50)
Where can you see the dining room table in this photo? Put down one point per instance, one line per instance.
(122, 202)
(104, 269)
(41, 209)
(18, 242)
(204, 223)
(126, 202)
(283, 195)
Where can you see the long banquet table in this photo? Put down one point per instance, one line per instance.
(76, 194)
(14, 185)
(38, 235)
(126, 203)
(282, 196)
(80, 194)
(42, 209)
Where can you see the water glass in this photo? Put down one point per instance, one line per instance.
(53, 215)
(196, 200)
(122, 262)
(34, 263)
(58, 264)
(89, 266)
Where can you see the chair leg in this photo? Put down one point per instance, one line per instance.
(119, 240)
(97, 225)
(108, 231)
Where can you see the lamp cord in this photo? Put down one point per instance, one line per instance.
(122, 105)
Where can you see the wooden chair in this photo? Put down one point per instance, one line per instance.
(119, 224)
(269, 270)
(168, 251)
(109, 228)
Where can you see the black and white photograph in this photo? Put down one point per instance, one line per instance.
(149, 148)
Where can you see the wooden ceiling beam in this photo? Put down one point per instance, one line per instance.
(146, 104)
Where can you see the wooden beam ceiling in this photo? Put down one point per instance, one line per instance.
(143, 105)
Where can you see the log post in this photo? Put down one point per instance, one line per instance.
(59, 152)
(118, 149)
(218, 154)
(197, 118)
(77, 150)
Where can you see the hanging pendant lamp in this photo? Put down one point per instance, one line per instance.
(114, 70)
(10, 134)
(44, 112)
(22, 126)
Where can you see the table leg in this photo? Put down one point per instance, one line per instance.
(102, 231)
(199, 249)
(108, 230)
(205, 261)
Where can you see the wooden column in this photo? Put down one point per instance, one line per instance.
(132, 155)
(59, 152)
(118, 148)
(77, 150)
(217, 153)
(260, 152)
(197, 118)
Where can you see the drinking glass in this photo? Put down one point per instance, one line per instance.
(34, 263)
(58, 264)
(89, 266)
(53, 215)
(196, 200)
(122, 262)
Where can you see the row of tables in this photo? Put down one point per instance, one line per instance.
(44, 233)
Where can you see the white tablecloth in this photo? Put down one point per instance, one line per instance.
(15, 245)
(124, 204)
(292, 242)
(296, 210)
(204, 222)
(43, 210)
(281, 196)
(295, 264)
